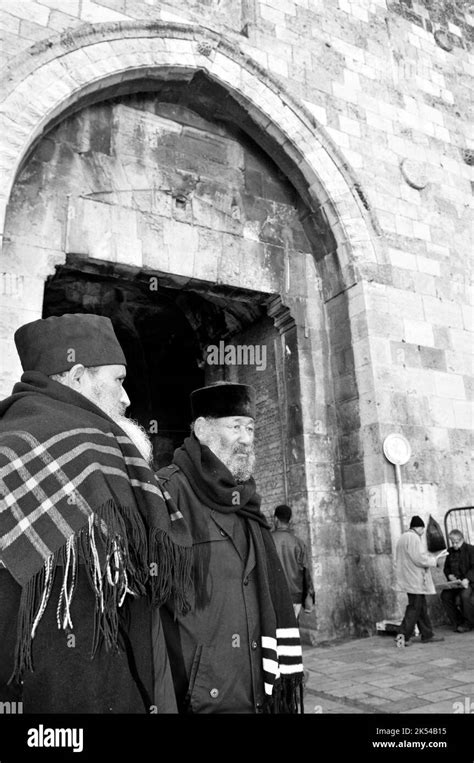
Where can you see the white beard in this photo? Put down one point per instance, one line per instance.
(138, 436)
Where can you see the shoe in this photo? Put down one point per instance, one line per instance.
(432, 639)
(402, 644)
(463, 629)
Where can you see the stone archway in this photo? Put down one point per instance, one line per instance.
(312, 299)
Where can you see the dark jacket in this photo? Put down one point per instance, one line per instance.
(65, 678)
(214, 650)
(460, 562)
(292, 553)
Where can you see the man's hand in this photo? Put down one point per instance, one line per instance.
(308, 604)
(439, 557)
(465, 583)
(452, 577)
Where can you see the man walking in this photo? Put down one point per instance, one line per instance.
(292, 553)
(238, 650)
(414, 578)
(82, 522)
(459, 602)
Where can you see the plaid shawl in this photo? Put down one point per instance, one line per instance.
(281, 648)
(75, 489)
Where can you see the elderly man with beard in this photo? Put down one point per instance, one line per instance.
(83, 523)
(238, 649)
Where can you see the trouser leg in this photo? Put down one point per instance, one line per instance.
(467, 605)
(424, 622)
(411, 616)
(449, 602)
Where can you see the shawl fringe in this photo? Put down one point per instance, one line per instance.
(287, 696)
(170, 571)
(113, 551)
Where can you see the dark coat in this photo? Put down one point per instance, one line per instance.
(291, 551)
(214, 650)
(465, 560)
(65, 678)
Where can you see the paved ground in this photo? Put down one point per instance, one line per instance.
(372, 675)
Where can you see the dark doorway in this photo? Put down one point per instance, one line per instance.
(162, 351)
(164, 325)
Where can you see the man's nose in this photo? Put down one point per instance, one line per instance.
(245, 436)
(124, 399)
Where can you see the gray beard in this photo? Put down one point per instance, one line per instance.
(240, 465)
(241, 472)
(138, 436)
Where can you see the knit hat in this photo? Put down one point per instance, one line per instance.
(56, 344)
(416, 522)
(223, 399)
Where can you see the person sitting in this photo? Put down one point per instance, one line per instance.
(459, 602)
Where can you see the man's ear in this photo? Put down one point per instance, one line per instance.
(75, 374)
(199, 427)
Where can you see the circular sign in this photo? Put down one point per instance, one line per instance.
(397, 449)
(414, 173)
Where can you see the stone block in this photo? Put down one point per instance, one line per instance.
(69, 7)
(348, 416)
(418, 332)
(182, 242)
(95, 13)
(463, 417)
(353, 475)
(23, 9)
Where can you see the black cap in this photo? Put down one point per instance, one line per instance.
(56, 344)
(223, 399)
(416, 522)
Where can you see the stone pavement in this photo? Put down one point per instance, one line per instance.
(372, 675)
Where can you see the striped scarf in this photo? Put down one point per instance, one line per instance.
(75, 491)
(281, 648)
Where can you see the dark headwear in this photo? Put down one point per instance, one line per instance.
(283, 513)
(223, 399)
(416, 522)
(56, 344)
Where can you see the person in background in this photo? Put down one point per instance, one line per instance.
(414, 578)
(293, 556)
(459, 602)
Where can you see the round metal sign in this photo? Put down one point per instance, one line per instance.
(397, 449)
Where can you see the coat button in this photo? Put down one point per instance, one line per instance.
(222, 533)
(214, 693)
(254, 644)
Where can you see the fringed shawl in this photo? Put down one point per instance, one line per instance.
(75, 493)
